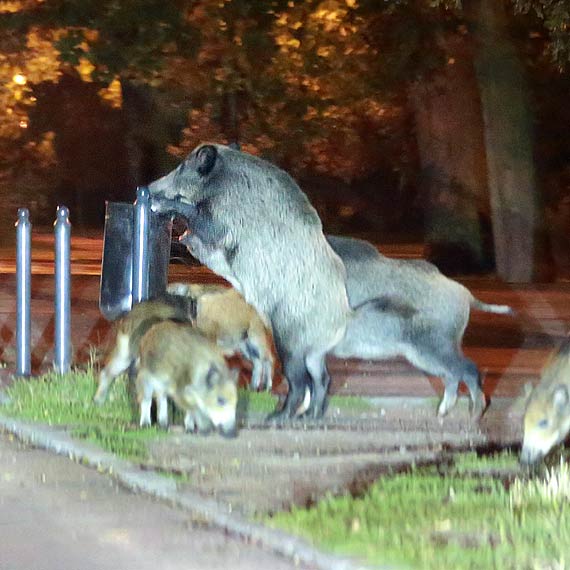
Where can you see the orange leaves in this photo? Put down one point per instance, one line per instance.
(112, 94)
(19, 69)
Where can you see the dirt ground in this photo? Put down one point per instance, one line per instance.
(267, 469)
(347, 450)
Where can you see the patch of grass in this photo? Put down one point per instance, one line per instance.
(126, 442)
(257, 402)
(351, 403)
(65, 400)
(553, 488)
(265, 402)
(432, 522)
(471, 462)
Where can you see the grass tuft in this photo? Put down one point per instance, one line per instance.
(471, 462)
(65, 400)
(432, 522)
(265, 402)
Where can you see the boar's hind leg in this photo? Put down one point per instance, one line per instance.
(299, 381)
(259, 355)
(439, 358)
(145, 391)
(118, 361)
(162, 410)
(461, 368)
(317, 368)
(250, 351)
(472, 378)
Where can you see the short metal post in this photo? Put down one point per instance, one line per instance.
(140, 245)
(23, 293)
(62, 233)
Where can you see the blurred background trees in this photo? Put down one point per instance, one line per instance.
(416, 120)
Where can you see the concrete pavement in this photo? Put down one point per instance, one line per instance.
(58, 515)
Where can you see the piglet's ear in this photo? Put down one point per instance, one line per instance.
(206, 159)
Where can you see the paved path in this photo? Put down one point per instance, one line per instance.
(58, 515)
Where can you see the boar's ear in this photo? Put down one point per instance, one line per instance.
(560, 397)
(205, 159)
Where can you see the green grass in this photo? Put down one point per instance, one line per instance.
(65, 400)
(423, 520)
(472, 463)
(265, 402)
(351, 403)
(257, 402)
(420, 518)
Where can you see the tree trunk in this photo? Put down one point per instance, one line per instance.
(151, 127)
(508, 139)
(449, 133)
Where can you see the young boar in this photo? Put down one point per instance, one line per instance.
(129, 330)
(223, 315)
(176, 361)
(430, 336)
(257, 229)
(547, 415)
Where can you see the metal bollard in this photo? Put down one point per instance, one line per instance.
(23, 293)
(140, 245)
(62, 232)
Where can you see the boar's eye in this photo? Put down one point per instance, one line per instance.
(221, 401)
(205, 159)
(542, 424)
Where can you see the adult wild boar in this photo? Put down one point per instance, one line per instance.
(429, 336)
(253, 225)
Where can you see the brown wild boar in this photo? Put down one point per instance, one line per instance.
(178, 362)
(129, 330)
(224, 316)
(547, 415)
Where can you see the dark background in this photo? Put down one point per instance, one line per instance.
(405, 122)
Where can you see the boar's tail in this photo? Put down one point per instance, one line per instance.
(490, 308)
(386, 304)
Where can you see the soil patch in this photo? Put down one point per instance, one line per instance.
(266, 470)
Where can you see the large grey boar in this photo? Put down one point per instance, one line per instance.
(430, 336)
(254, 226)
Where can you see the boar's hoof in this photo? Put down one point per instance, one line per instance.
(478, 407)
(314, 413)
(446, 404)
(531, 459)
(279, 417)
(98, 400)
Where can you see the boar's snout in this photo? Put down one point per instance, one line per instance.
(229, 431)
(164, 187)
(530, 456)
